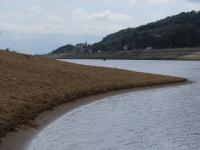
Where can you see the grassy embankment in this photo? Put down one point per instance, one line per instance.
(30, 85)
(154, 54)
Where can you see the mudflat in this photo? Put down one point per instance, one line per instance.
(30, 85)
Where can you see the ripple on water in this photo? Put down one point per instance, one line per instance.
(154, 119)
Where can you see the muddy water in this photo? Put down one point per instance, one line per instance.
(154, 119)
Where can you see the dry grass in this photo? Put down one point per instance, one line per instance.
(30, 85)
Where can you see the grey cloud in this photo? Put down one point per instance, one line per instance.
(193, 0)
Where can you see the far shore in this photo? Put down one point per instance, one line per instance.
(21, 138)
(189, 54)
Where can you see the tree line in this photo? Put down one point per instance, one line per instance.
(182, 30)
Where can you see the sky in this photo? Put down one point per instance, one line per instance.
(40, 26)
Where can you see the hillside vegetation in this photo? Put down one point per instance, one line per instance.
(30, 85)
(179, 31)
(182, 30)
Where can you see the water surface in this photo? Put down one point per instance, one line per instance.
(154, 119)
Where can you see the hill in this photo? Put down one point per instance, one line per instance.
(30, 85)
(178, 31)
(80, 47)
(182, 30)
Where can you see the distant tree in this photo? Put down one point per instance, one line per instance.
(182, 30)
(80, 47)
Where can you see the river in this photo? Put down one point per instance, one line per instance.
(165, 118)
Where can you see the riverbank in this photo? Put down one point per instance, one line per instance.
(31, 85)
(151, 54)
(21, 139)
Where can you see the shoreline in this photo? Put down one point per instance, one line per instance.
(187, 54)
(99, 58)
(21, 138)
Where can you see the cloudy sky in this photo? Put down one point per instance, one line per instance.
(39, 26)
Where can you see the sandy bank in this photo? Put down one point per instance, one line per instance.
(20, 139)
(31, 85)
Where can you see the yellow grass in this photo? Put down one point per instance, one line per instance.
(30, 85)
